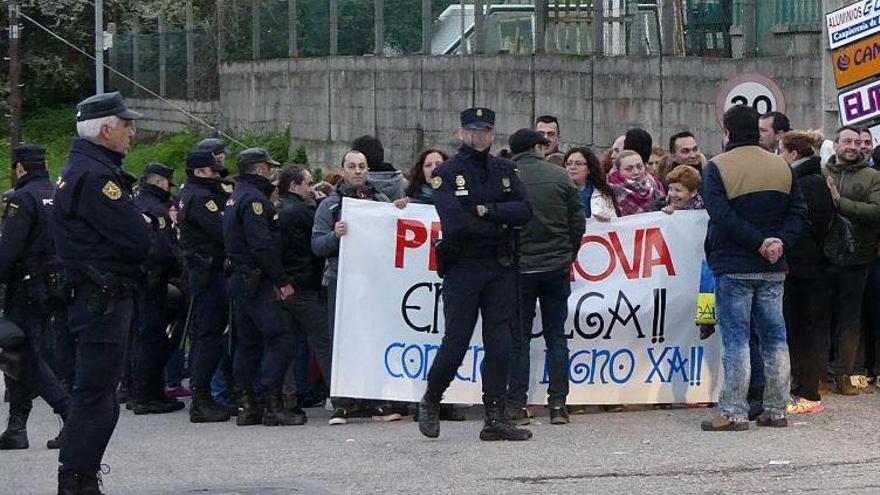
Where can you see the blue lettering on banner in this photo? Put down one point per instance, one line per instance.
(413, 361)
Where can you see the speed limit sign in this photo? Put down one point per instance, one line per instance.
(754, 90)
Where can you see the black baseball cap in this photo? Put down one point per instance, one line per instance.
(104, 105)
(155, 168)
(526, 139)
(478, 118)
(29, 154)
(255, 155)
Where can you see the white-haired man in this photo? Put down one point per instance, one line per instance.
(103, 241)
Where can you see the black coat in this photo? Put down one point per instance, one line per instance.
(296, 217)
(201, 217)
(26, 242)
(95, 223)
(807, 259)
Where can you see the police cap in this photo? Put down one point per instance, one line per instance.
(255, 155)
(29, 154)
(200, 159)
(526, 139)
(214, 145)
(478, 118)
(160, 170)
(104, 105)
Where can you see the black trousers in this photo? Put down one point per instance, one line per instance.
(807, 309)
(101, 342)
(472, 288)
(151, 347)
(848, 287)
(306, 314)
(37, 378)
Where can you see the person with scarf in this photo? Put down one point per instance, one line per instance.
(636, 190)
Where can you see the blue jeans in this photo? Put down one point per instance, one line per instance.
(737, 302)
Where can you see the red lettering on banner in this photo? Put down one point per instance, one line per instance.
(419, 236)
(649, 250)
(412, 234)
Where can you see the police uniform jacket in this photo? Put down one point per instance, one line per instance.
(473, 178)
(201, 217)
(26, 242)
(296, 217)
(152, 201)
(250, 229)
(95, 222)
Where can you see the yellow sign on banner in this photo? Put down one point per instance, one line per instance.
(856, 62)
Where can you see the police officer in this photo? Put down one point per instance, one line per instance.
(217, 148)
(258, 285)
(28, 268)
(202, 200)
(151, 342)
(101, 238)
(479, 197)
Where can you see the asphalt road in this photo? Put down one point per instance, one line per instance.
(650, 452)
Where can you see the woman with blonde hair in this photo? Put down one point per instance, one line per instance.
(807, 298)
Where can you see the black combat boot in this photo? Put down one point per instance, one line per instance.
(248, 411)
(275, 413)
(429, 417)
(68, 483)
(203, 408)
(15, 436)
(147, 402)
(496, 426)
(90, 484)
(55, 443)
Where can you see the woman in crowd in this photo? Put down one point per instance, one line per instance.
(419, 189)
(683, 190)
(589, 177)
(807, 298)
(636, 190)
(654, 163)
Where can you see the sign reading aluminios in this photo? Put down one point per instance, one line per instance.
(853, 22)
(860, 104)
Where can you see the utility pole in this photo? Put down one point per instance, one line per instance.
(99, 46)
(14, 77)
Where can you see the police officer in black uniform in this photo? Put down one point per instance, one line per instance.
(151, 349)
(202, 200)
(217, 148)
(101, 238)
(258, 286)
(479, 198)
(29, 270)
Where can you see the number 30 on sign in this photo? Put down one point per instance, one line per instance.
(755, 90)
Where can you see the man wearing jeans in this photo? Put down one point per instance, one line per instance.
(756, 212)
(549, 242)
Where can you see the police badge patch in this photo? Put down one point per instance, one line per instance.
(227, 188)
(436, 182)
(111, 190)
(11, 210)
(505, 183)
(161, 223)
(211, 206)
(258, 208)
(460, 182)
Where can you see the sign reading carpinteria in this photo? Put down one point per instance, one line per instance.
(853, 22)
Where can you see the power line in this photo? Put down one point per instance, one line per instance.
(139, 85)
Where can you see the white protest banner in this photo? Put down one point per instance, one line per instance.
(630, 327)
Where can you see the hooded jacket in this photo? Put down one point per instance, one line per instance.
(859, 187)
(807, 259)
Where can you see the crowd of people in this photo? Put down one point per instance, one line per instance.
(119, 289)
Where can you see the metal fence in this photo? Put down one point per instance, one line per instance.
(178, 63)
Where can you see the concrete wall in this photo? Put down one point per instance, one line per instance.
(413, 102)
(163, 118)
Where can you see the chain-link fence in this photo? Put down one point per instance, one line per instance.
(177, 63)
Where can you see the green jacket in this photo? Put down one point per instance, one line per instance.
(859, 187)
(553, 236)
